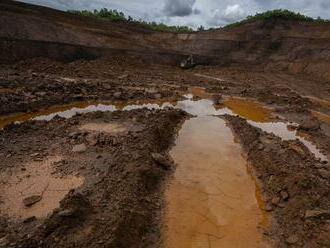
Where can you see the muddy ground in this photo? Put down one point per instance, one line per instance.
(125, 169)
(119, 204)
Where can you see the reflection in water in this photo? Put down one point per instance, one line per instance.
(211, 200)
(255, 113)
(281, 130)
(65, 110)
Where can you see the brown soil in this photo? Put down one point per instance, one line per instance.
(293, 185)
(122, 185)
(99, 179)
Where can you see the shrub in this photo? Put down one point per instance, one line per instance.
(277, 14)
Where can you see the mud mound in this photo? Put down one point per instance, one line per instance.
(123, 187)
(296, 185)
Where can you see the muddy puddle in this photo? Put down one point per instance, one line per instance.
(211, 200)
(248, 109)
(34, 190)
(322, 117)
(256, 114)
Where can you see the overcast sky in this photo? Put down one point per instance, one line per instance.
(209, 13)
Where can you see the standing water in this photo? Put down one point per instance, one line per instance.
(211, 200)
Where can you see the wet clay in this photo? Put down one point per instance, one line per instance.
(35, 180)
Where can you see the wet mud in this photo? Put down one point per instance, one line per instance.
(160, 157)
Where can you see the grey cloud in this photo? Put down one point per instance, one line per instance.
(231, 13)
(197, 11)
(179, 7)
(325, 4)
(209, 13)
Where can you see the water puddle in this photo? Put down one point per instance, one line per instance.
(69, 110)
(211, 200)
(281, 130)
(259, 116)
(322, 117)
(65, 110)
(254, 112)
(248, 109)
(210, 77)
(37, 184)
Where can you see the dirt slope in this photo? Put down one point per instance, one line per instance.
(30, 31)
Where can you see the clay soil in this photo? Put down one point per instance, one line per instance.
(121, 201)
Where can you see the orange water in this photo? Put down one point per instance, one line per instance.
(211, 200)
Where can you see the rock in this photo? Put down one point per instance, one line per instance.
(217, 99)
(187, 63)
(92, 139)
(276, 200)
(310, 125)
(157, 96)
(261, 147)
(117, 95)
(66, 213)
(244, 91)
(31, 200)
(123, 76)
(3, 241)
(79, 148)
(281, 205)
(324, 173)
(74, 135)
(293, 239)
(29, 219)
(284, 195)
(309, 214)
(268, 207)
(161, 160)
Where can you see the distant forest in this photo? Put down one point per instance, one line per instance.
(278, 14)
(116, 16)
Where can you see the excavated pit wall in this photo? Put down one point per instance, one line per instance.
(31, 31)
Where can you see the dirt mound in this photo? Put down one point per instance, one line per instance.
(122, 192)
(290, 177)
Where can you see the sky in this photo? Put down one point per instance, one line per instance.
(193, 13)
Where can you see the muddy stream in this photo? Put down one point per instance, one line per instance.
(212, 199)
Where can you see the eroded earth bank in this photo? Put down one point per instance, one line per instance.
(128, 150)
